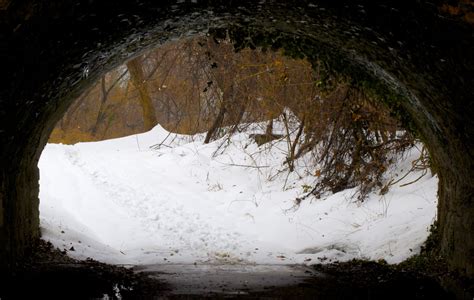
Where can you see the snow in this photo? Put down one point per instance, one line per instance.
(122, 201)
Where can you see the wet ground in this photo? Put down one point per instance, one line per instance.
(50, 274)
(93, 280)
(227, 280)
(353, 280)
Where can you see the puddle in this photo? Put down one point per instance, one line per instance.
(226, 279)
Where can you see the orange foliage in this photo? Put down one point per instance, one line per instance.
(463, 10)
(189, 82)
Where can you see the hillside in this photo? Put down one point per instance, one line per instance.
(159, 197)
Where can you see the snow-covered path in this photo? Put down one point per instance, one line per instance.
(119, 201)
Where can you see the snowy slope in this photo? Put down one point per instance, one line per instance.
(120, 201)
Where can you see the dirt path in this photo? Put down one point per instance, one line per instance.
(227, 280)
(351, 280)
(50, 274)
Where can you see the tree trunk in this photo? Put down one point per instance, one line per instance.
(269, 130)
(217, 123)
(227, 99)
(137, 77)
(101, 114)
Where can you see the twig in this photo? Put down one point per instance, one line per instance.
(138, 144)
(423, 174)
(243, 166)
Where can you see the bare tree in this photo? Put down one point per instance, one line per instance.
(138, 79)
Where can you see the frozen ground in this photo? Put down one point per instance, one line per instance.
(120, 201)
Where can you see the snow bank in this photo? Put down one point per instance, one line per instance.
(120, 201)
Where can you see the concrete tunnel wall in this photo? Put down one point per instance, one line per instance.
(52, 50)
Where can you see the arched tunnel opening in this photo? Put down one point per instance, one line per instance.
(417, 58)
(192, 152)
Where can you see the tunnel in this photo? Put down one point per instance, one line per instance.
(418, 57)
